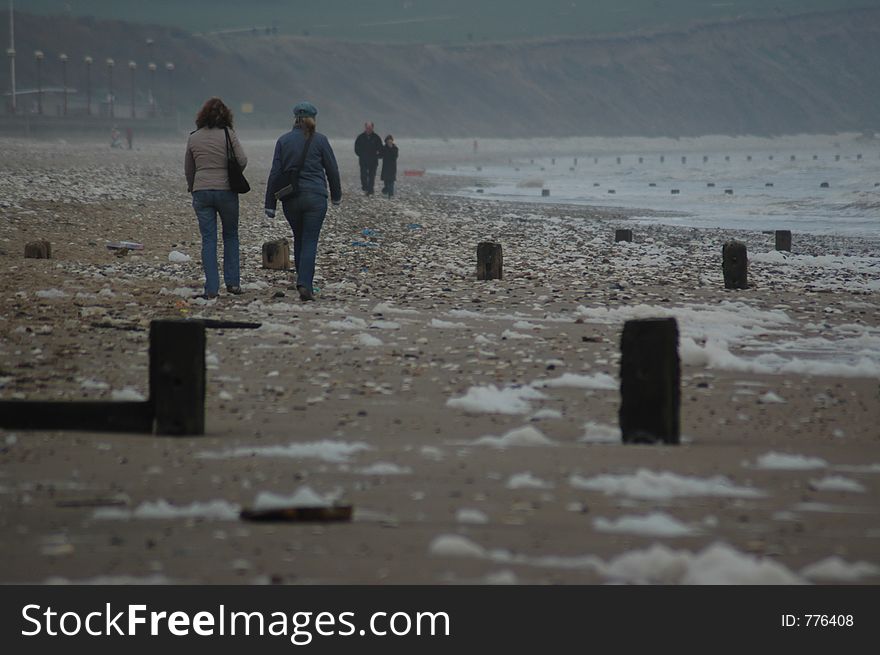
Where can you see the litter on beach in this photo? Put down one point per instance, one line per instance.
(127, 245)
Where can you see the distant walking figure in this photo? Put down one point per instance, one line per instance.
(368, 148)
(389, 166)
(208, 181)
(303, 166)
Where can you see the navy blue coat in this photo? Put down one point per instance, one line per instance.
(319, 169)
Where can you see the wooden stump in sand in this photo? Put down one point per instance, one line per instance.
(489, 261)
(177, 377)
(38, 250)
(783, 240)
(623, 235)
(735, 265)
(650, 381)
(276, 254)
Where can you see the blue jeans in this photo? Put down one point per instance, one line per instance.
(305, 213)
(208, 204)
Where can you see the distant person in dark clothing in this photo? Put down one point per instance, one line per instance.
(389, 166)
(129, 136)
(305, 208)
(368, 148)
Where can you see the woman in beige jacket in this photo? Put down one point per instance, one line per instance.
(208, 181)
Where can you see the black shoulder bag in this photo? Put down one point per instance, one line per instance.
(293, 187)
(237, 181)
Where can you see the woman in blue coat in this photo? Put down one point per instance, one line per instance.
(302, 168)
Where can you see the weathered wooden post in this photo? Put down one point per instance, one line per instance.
(276, 254)
(545, 193)
(623, 235)
(705, 158)
(684, 160)
(641, 160)
(735, 265)
(836, 157)
(675, 192)
(728, 192)
(749, 158)
(177, 377)
(824, 185)
(38, 250)
(662, 159)
(490, 261)
(783, 240)
(618, 160)
(553, 161)
(650, 380)
(575, 162)
(726, 157)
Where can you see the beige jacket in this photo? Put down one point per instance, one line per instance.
(205, 163)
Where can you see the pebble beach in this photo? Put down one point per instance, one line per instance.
(472, 425)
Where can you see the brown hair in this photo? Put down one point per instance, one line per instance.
(214, 113)
(308, 124)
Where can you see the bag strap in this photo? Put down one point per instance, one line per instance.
(230, 151)
(302, 160)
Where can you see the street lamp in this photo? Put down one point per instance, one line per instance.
(63, 58)
(38, 55)
(170, 68)
(110, 98)
(132, 66)
(88, 60)
(152, 68)
(10, 52)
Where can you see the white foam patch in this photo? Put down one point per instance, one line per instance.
(524, 436)
(835, 569)
(601, 433)
(51, 294)
(475, 516)
(657, 524)
(385, 468)
(709, 332)
(385, 325)
(303, 497)
(367, 340)
(127, 393)
(718, 564)
(328, 451)
(388, 308)
(786, 462)
(650, 485)
(214, 510)
(453, 545)
(492, 400)
(445, 325)
(545, 414)
(600, 381)
(94, 385)
(104, 580)
(527, 481)
(510, 334)
(348, 323)
(837, 483)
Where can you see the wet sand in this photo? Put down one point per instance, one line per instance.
(400, 327)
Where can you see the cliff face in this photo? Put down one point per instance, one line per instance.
(813, 73)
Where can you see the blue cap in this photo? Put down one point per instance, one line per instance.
(305, 109)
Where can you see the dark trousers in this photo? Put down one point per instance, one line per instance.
(388, 189)
(305, 213)
(368, 174)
